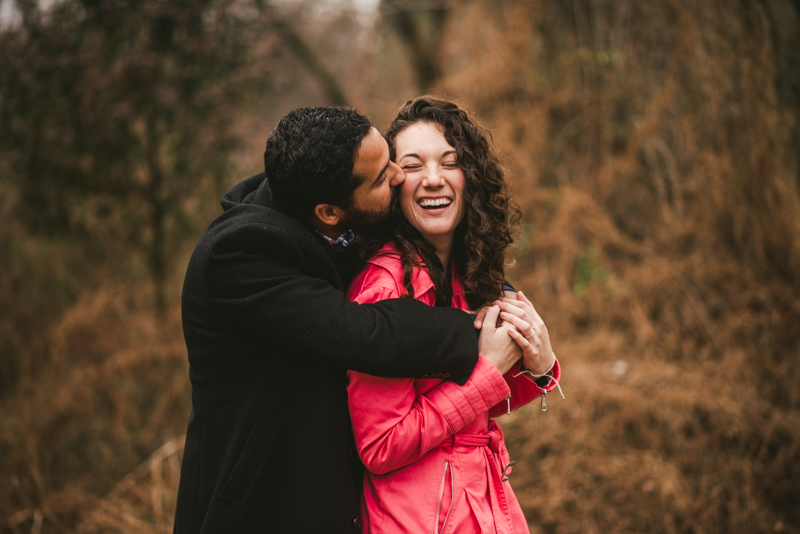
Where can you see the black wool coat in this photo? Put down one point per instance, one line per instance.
(270, 334)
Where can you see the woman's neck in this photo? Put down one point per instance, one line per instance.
(444, 246)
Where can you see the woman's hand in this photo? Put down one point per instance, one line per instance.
(529, 332)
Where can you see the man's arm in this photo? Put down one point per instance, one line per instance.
(257, 278)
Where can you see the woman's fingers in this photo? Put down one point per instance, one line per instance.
(537, 355)
(519, 307)
(520, 310)
(521, 325)
(522, 341)
(521, 301)
(531, 352)
(525, 327)
(529, 345)
(522, 298)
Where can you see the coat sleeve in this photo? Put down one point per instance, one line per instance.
(258, 279)
(392, 427)
(523, 389)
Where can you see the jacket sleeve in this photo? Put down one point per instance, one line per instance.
(393, 429)
(523, 389)
(259, 279)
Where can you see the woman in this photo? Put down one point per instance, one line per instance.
(435, 462)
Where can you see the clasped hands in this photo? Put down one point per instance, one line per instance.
(512, 329)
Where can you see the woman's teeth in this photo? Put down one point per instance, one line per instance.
(435, 202)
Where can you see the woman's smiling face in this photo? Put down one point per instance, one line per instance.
(432, 196)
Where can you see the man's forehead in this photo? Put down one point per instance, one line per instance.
(372, 141)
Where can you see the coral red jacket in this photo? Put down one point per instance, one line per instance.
(435, 462)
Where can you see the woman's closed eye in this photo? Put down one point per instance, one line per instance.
(417, 166)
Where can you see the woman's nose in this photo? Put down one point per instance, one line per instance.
(433, 178)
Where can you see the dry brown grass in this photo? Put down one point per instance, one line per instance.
(114, 390)
(655, 167)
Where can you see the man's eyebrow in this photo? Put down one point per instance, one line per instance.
(377, 180)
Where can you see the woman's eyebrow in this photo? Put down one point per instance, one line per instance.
(412, 155)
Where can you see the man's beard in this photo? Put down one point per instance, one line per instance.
(355, 217)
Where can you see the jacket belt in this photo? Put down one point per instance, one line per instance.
(473, 440)
(492, 439)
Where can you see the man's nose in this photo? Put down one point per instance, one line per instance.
(397, 175)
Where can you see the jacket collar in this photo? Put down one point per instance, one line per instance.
(388, 257)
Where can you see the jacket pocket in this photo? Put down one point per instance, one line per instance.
(260, 442)
(446, 498)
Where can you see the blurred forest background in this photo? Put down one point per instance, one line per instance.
(654, 152)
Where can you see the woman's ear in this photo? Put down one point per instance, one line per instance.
(328, 214)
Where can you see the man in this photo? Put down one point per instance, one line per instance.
(270, 335)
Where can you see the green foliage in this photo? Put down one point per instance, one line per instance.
(588, 270)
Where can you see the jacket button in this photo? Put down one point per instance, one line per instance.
(446, 375)
(357, 523)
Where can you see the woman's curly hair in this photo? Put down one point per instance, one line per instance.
(490, 217)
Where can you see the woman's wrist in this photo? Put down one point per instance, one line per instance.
(542, 380)
(532, 369)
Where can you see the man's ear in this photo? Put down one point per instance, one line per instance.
(329, 214)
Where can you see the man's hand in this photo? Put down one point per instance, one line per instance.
(496, 343)
(481, 313)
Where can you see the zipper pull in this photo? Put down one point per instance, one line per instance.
(544, 400)
(508, 405)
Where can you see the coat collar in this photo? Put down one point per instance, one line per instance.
(388, 257)
(254, 190)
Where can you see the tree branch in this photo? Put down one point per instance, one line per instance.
(316, 68)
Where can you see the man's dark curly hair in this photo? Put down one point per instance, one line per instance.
(310, 156)
(490, 217)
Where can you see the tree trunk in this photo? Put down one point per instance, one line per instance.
(420, 30)
(316, 68)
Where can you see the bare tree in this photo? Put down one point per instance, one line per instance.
(419, 25)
